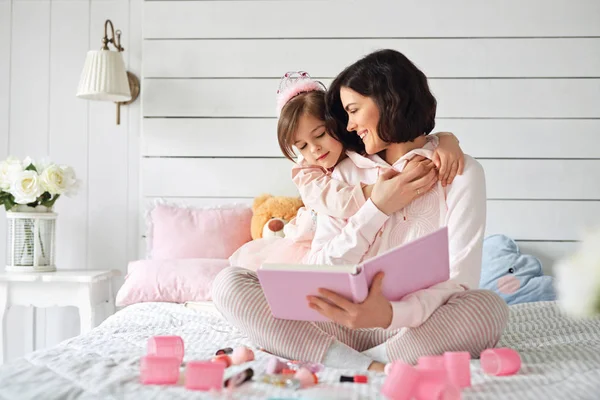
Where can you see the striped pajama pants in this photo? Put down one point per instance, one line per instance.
(470, 321)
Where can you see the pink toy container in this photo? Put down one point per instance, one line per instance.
(501, 361)
(401, 383)
(156, 370)
(166, 346)
(458, 368)
(204, 375)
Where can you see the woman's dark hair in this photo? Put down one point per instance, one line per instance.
(398, 88)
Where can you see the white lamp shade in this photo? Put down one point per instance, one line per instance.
(104, 77)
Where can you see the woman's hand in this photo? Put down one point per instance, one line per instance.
(448, 158)
(375, 312)
(393, 190)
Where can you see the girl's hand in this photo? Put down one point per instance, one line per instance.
(375, 312)
(448, 158)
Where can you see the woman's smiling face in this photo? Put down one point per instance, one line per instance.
(363, 118)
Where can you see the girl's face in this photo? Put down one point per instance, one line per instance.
(315, 144)
(363, 117)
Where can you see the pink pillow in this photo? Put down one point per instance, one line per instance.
(172, 281)
(184, 232)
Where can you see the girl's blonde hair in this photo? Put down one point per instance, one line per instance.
(308, 103)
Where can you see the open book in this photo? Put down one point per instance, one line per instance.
(413, 266)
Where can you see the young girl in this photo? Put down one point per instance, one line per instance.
(446, 317)
(301, 106)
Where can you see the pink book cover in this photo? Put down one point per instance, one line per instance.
(413, 266)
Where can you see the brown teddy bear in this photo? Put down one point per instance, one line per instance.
(271, 213)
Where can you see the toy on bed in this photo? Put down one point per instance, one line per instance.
(271, 213)
(516, 277)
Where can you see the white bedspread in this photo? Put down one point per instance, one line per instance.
(561, 360)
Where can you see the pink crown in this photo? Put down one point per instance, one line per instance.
(294, 83)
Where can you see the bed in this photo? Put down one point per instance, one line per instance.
(561, 360)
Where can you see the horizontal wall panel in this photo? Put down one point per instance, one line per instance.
(518, 138)
(216, 177)
(374, 18)
(249, 177)
(210, 137)
(437, 58)
(511, 98)
(542, 220)
(542, 179)
(489, 138)
(548, 252)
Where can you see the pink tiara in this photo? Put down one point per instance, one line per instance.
(294, 83)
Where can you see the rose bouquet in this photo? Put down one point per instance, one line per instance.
(32, 184)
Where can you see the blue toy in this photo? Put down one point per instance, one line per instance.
(516, 277)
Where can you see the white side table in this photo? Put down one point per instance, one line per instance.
(84, 289)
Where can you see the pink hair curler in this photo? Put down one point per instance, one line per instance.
(204, 375)
(431, 362)
(241, 355)
(458, 368)
(432, 383)
(501, 361)
(402, 382)
(450, 392)
(156, 370)
(166, 346)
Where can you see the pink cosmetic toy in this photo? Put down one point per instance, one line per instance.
(501, 361)
(241, 355)
(401, 383)
(204, 375)
(166, 346)
(156, 370)
(458, 368)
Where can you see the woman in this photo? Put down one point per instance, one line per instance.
(384, 100)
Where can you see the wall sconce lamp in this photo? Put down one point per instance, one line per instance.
(104, 76)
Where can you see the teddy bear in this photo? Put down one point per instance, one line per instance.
(516, 277)
(271, 213)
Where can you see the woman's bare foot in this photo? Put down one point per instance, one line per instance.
(376, 367)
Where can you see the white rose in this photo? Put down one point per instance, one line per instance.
(72, 183)
(9, 169)
(53, 180)
(42, 164)
(27, 162)
(26, 187)
(578, 279)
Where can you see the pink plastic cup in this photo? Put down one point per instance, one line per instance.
(432, 384)
(431, 362)
(204, 375)
(401, 383)
(458, 368)
(501, 361)
(156, 370)
(166, 346)
(450, 392)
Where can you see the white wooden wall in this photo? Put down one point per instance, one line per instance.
(517, 80)
(43, 44)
